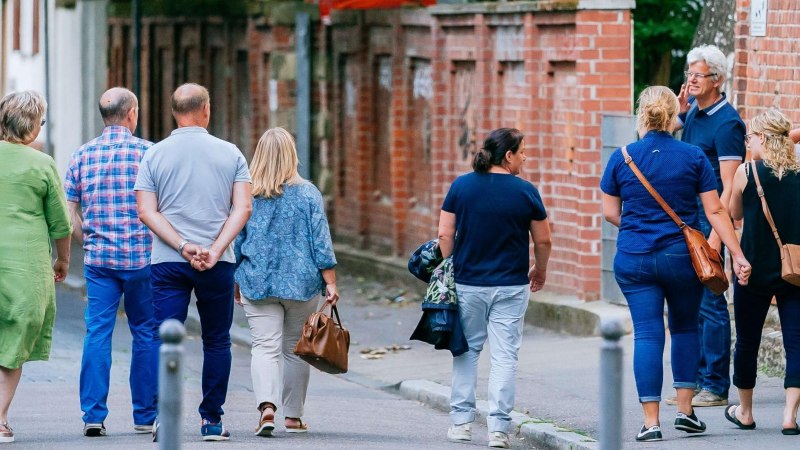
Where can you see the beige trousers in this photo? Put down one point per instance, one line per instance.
(279, 376)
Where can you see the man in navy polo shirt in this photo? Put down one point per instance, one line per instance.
(710, 122)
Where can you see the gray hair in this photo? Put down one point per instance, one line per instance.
(714, 59)
(115, 104)
(20, 114)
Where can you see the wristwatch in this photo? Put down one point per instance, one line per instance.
(181, 245)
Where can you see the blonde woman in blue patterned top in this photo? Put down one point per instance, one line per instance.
(284, 261)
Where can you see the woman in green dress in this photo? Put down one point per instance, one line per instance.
(32, 211)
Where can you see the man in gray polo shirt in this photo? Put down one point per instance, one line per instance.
(193, 193)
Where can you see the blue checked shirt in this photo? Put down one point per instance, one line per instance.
(100, 178)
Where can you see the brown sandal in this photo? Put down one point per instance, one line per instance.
(266, 423)
(301, 426)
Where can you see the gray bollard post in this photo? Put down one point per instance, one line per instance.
(611, 413)
(170, 388)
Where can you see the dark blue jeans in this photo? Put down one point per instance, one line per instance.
(647, 280)
(173, 283)
(750, 310)
(104, 287)
(715, 336)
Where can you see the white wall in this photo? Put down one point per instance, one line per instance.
(77, 41)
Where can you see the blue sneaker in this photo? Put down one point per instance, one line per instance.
(214, 431)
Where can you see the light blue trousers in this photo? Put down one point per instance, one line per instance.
(497, 313)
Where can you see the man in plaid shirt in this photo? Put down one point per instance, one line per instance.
(99, 188)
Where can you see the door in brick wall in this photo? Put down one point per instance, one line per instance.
(379, 224)
(616, 131)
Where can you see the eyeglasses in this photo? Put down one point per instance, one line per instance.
(747, 137)
(690, 75)
(44, 121)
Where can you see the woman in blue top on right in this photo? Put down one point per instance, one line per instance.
(652, 262)
(487, 221)
(778, 173)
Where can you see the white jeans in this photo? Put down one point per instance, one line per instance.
(497, 312)
(279, 376)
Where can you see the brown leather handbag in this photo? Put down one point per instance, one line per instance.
(706, 261)
(324, 343)
(790, 253)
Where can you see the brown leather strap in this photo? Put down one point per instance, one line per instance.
(651, 189)
(334, 312)
(764, 206)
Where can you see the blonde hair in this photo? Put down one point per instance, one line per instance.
(274, 163)
(657, 108)
(20, 114)
(778, 151)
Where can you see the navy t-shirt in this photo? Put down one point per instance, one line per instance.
(493, 221)
(678, 172)
(718, 131)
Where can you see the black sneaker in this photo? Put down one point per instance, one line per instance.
(649, 434)
(689, 424)
(94, 429)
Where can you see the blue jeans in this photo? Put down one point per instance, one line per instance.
(104, 287)
(646, 280)
(715, 336)
(173, 283)
(499, 314)
(750, 309)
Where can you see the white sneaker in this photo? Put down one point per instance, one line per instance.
(461, 432)
(498, 439)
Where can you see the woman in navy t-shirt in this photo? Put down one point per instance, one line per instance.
(652, 262)
(485, 223)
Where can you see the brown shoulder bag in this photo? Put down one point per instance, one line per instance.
(324, 342)
(790, 253)
(706, 261)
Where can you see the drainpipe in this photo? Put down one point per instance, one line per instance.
(48, 148)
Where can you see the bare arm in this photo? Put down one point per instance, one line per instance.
(727, 169)
(241, 207)
(542, 244)
(147, 206)
(331, 293)
(612, 209)
(76, 217)
(447, 233)
(722, 225)
(735, 203)
(61, 266)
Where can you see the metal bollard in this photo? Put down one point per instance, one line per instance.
(170, 388)
(611, 413)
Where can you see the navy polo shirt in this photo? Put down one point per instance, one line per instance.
(717, 130)
(493, 221)
(678, 172)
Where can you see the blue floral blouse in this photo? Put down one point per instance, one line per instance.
(284, 246)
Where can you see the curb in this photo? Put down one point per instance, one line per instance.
(537, 432)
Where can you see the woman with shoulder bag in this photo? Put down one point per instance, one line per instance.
(284, 260)
(653, 262)
(777, 171)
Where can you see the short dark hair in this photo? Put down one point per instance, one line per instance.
(189, 104)
(115, 112)
(494, 148)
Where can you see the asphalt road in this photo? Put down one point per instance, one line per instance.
(341, 414)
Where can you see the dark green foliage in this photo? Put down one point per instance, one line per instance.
(662, 35)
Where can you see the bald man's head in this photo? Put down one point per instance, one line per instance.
(189, 98)
(115, 104)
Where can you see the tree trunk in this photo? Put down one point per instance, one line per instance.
(717, 26)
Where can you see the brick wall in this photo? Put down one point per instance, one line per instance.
(766, 69)
(402, 98)
(430, 84)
